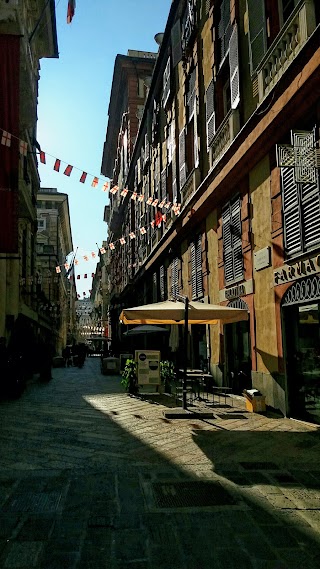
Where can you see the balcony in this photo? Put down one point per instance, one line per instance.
(285, 47)
(191, 186)
(224, 136)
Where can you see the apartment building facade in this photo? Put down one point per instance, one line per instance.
(27, 34)
(226, 164)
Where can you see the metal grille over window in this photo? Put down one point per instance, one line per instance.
(232, 243)
(300, 155)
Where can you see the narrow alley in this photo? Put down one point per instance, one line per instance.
(93, 478)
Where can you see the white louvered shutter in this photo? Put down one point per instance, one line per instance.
(182, 158)
(210, 113)
(237, 239)
(234, 68)
(291, 212)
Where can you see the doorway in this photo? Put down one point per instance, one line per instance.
(238, 352)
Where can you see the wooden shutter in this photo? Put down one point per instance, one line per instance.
(163, 283)
(232, 241)
(166, 83)
(154, 287)
(234, 68)
(310, 213)
(182, 158)
(210, 113)
(199, 289)
(224, 28)
(175, 277)
(191, 94)
(193, 270)
(174, 177)
(291, 212)
(163, 184)
(176, 43)
(236, 238)
(257, 32)
(195, 135)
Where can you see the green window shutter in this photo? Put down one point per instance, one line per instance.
(257, 32)
(234, 68)
(291, 212)
(176, 43)
(210, 113)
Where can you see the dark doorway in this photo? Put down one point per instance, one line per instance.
(238, 356)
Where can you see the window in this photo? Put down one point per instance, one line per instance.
(41, 224)
(301, 213)
(196, 267)
(210, 113)
(224, 29)
(163, 283)
(232, 243)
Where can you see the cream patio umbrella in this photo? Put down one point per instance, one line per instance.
(188, 312)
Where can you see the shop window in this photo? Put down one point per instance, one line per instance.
(196, 267)
(232, 241)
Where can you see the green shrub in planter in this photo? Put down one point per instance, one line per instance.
(167, 374)
(130, 378)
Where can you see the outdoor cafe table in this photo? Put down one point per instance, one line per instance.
(202, 381)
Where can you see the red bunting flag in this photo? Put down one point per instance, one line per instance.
(42, 157)
(95, 182)
(68, 170)
(56, 166)
(143, 231)
(114, 190)
(141, 198)
(76, 262)
(58, 270)
(78, 295)
(134, 196)
(132, 235)
(86, 258)
(93, 255)
(66, 266)
(85, 276)
(83, 177)
(149, 201)
(111, 245)
(158, 218)
(92, 275)
(155, 203)
(124, 192)
(70, 11)
(105, 187)
(161, 204)
(167, 205)
(152, 223)
(78, 277)
(6, 138)
(102, 250)
(122, 240)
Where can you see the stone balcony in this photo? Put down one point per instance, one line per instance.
(286, 46)
(224, 136)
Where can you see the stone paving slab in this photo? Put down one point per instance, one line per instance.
(80, 462)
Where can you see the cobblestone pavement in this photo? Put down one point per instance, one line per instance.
(93, 478)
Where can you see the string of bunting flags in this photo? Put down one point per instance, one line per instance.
(7, 138)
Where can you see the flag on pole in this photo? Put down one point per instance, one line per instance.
(70, 11)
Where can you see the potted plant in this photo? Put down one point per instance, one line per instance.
(167, 375)
(130, 378)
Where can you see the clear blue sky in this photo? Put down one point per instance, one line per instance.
(74, 93)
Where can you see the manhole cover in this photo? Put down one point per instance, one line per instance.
(34, 502)
(189, 494)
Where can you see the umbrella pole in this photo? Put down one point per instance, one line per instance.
(185, 338)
